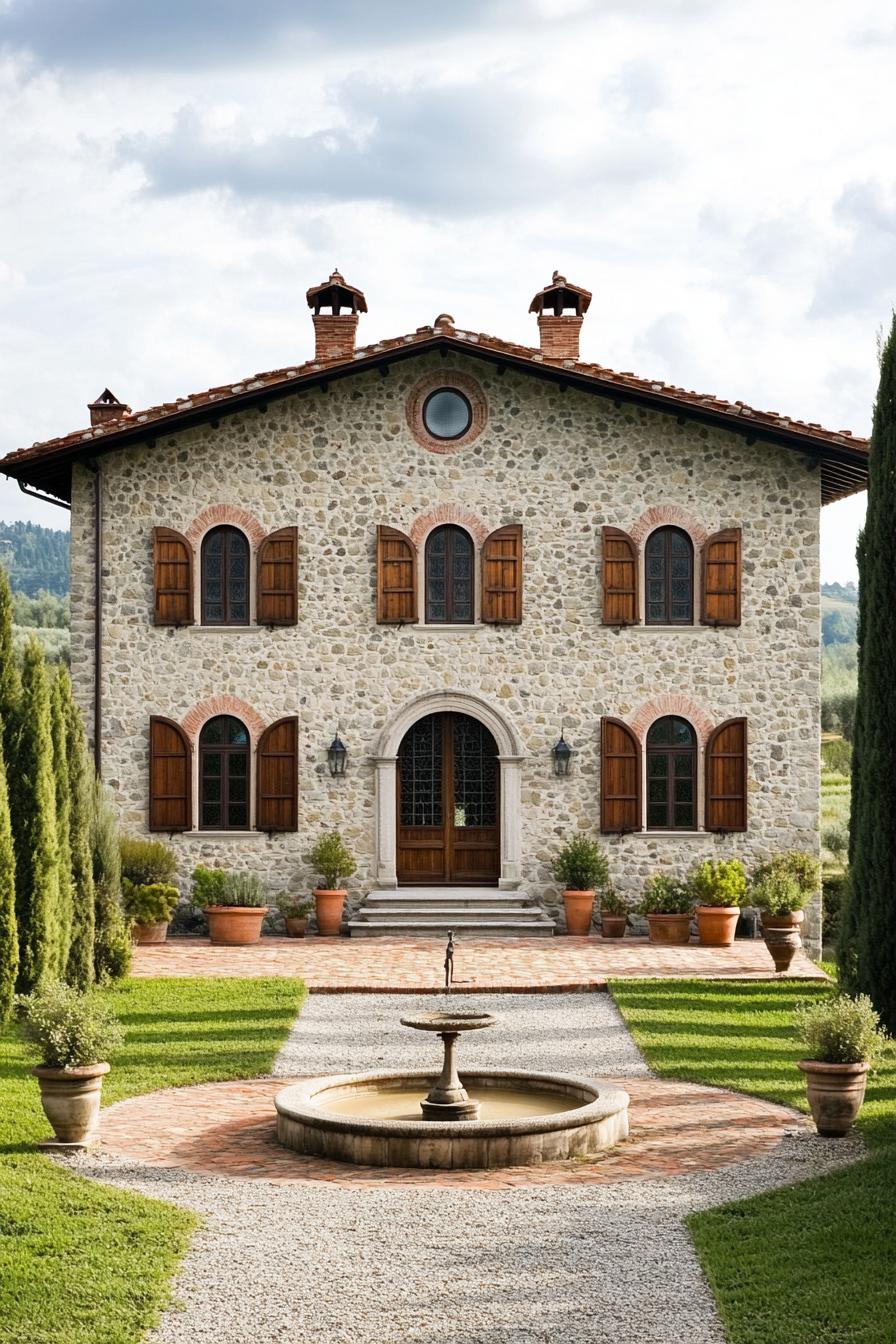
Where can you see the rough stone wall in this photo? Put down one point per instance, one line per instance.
(562, 464)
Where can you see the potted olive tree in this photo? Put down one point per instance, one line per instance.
(582, 868)
(843, 1037)
(234, 903)
(295, 912)
(780, 889)
(667, 905)
(613, 913)
(72, 1034)
(149, 906)
(333, 861)
(718, 887)
(147, 880)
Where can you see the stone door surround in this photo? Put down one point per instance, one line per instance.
(511, 754)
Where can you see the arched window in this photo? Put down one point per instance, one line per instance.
(225, 577)
(671, 776)
(224, 775)
(449, 576)
(669, 577)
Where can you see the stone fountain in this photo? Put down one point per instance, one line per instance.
(490, 1118)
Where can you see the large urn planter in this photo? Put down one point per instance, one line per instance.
(149, 933)
(71, 1101)
(613, 926)
(235, 925)
(716, 924)
(329, 904)
(836, 1093)
(579, 907)
(672, 930)
(781, 934)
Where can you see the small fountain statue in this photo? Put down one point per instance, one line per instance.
(447, 1099)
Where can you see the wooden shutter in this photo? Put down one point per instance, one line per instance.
(620, 777)
(396, 577)
(170, 777)
(726, 777)
(620, 578)
(172, 562)
(278, 578)
(277, 767)
(502, 576)
(722, 578)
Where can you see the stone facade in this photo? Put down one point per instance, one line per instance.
(561, 463)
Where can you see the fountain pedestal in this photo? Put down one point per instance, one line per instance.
(447, 1099)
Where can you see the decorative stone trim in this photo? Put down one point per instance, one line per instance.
(433, 382)
(449, 513)
(200, 714)
(668, 515)
(218, 515)
(681, 705)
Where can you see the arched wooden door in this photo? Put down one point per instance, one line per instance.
(448, 807)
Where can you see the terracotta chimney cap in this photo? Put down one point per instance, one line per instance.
(444, 320)
(334, 294)
(106, 407)
(560, 294)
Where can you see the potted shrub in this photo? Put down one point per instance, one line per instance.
(667, 904)
(718, 887)
(234, 903)
(72, 1035)
(149, 906)
(295, 913)
(581, 866)
(613, 914)
(332, 860)
(780, 889)
(843, 1037)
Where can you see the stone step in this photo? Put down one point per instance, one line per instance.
(494, 928)
(510, 901)
(445, 913)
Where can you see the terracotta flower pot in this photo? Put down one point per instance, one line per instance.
(329, 906)
(613, 926)
(782, 937)
(579, 906)
(836, 1093)
(149, 933)
(675, 929)
(296, 926)
(235, 925)
(71, 1100)
(716, 924)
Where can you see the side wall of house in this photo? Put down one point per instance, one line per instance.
(563, 465)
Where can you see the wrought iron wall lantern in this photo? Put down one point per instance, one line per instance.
(336, 755)
(561, 754)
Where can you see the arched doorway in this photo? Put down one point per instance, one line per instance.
(448, 803)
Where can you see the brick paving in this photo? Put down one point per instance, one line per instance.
(482, 965)
(228, 1129)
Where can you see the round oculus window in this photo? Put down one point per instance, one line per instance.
(447, 414)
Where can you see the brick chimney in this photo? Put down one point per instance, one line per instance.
(334, 332)
(558, 330)
(106, 407)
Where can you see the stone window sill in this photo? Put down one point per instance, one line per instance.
(224, 629)
(225, 835)
(672, 835)
(447, 629)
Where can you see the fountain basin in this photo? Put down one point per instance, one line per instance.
(319, 1117)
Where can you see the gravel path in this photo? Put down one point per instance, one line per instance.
(320, 1264)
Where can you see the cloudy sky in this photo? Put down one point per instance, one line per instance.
(177, 172)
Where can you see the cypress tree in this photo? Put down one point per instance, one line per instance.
(9, 939)
(10, 683)
(112, 941)
(34, 827)
(868, 944)
(59, 729)
(79, 969)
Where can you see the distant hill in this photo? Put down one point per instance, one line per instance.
(35, 558)
(839, 613)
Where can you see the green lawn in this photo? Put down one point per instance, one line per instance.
(814, 1263)
(82, 1264)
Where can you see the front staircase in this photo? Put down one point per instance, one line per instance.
(415, 912)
